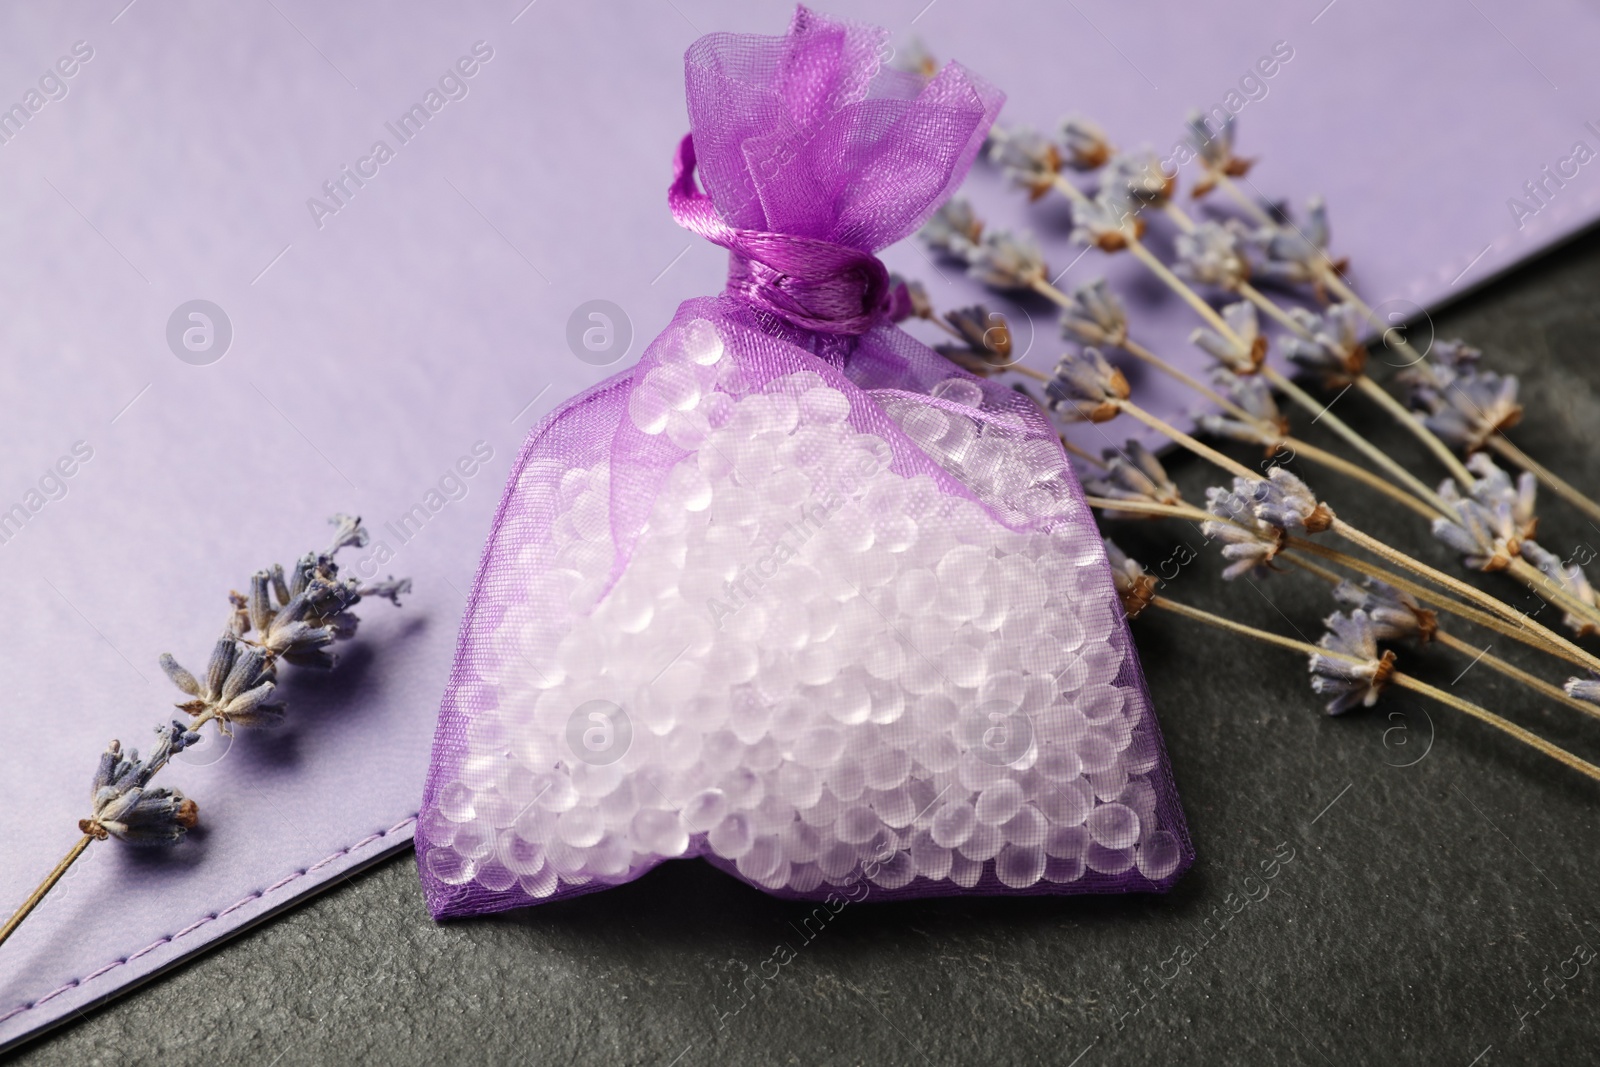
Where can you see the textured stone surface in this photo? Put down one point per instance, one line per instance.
(1420, 906)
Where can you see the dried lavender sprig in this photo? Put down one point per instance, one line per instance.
(1359, 665)
(1279, 500)
(1396, 615)
(1295, 551)
(1235, 338)
(294, 620)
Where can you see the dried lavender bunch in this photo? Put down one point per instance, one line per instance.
(292, 618)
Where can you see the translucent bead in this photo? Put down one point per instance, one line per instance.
(454, 802)
(434, 828)
(962, 664)
(541, 884)
(518, 855)
(896, 872)
(1066, 803)
(1159, 855)
(932, 860)
(1113, 825)
(1107, 860)
(1109, 784)
(976, 772)
(959, 391)
(845, 779)
(1026, 827)
(887, 769)
(894, 807)
(1097, 753)
(825, 812)
(761, 860)
(823, 406)
(856, 825)
(1060, 764)
(837, 861)
(674, 386)
(800, 842)
(1142, 753)
(1066, 842)
(953, 824)
(450, 867)
(705, 810)
(474, 840)
(983, 843)
(1140, 795)
(743, 787)
(495, 877)
(937, 753)
(591, 781)
(965, 872)
(648, 410)
(699, 344)
(820, 747)
(896, 534)
(1063, 870)
(798, 785)
(580, 827)
(732, 837)
(1019, 866)
(915, 591)
(660, 833)
(923, 424)
(999, 802)
(803, 878)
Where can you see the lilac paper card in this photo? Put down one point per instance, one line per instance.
(422, 311)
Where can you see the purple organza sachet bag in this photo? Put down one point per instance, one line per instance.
(795, 594)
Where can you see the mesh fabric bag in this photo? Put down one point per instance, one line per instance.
(795, 594)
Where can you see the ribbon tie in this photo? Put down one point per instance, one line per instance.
(814, 284)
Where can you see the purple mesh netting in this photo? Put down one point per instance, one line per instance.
(816, 606)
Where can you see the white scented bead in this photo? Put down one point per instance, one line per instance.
(1113, 825)
(828, 670)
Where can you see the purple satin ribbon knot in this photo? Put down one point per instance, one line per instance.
(814, 284)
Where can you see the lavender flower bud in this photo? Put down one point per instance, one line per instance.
(1585, 689)
(1133, 474)
(1256, 516)
(1026, 159)
(1243, 357)
(1135, 586)
(1106, 221)
(391, 588)
(1215, 152)
(1292, 255)
(1471, 408)
(1284, 501)
(349, 532)
(125, 807)
(1350, 683)
(1394, 615)
(1249, 544)
(1005, 261)
(1211, 255)
(1138, 177)
(1086, 145)
(1569, 578)
(1489, 524)
(1086, 388)
(1096, 316)
(1267, 425)
(1334, 349)
(1444, 361)
(953, 230)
